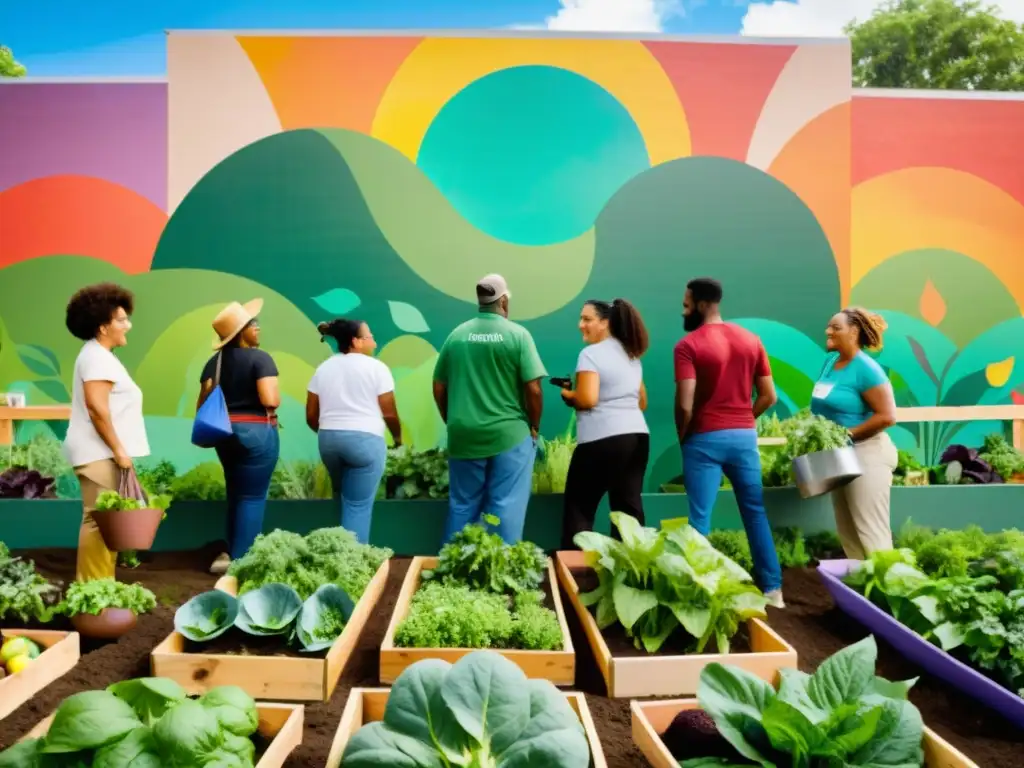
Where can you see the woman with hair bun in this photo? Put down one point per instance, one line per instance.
(854, 392)
(350, 399)
(613, 441)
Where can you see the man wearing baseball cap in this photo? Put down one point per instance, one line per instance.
(487, 388)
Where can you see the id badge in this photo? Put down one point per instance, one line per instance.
(821, 390)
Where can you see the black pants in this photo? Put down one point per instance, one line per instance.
(616, 466)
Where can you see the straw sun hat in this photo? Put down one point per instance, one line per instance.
(230, 321)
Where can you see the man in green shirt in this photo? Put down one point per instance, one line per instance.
(487, 388)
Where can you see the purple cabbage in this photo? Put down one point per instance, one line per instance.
(974, 469)
(22, 483)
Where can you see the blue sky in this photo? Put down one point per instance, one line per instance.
(117, 37)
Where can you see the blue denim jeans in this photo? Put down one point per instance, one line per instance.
(248, 458)
(733, 451)
(355, 462)
(499, 485)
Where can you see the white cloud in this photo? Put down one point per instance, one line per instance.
(613, 15)
(826, 18)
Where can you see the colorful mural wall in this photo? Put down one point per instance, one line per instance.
(378, 177)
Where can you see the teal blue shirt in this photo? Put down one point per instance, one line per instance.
(839, 395)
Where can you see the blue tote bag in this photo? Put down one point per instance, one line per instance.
(212, 424)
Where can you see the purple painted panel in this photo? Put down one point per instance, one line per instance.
(929, 657)
(113, 131)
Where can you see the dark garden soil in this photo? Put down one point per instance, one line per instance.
(677, 644)
(809, 622)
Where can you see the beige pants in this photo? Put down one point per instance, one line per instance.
(862, 507)
(95, 561)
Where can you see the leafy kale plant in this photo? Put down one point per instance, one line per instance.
(654, 582)
(145, 723)
(481, 712)
(842, 715)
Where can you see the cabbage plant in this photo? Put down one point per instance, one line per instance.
(481, 712)
(206, 616)
(269, 610)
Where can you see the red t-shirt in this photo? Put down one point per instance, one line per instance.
(724, 359)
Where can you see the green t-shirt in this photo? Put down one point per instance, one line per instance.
(838, 395)
(485, 363)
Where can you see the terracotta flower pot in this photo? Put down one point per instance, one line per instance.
(108, 624)
(128, 529)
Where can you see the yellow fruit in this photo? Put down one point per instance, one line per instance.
(18, 646)
(18, 663)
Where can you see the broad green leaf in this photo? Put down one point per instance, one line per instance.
(736, 700)
(489, 698)
(855, 731)
(632, 603)
(407, 318)
(322, 618)
(892, 690)
(40, 360)
(791, 732)
(416, 708)
(24, 754)
(269, 610)
(606, 615)
(136, 750)
(695, 619)
(337, 301)
(206, 616)
(793, 690)
(929, 608)
(150, 697)
(844, 676)
(552, 737)
(188, 734)
(234, 708)
(897, 740)
(89, 720)
(949, 636)
(375, 745)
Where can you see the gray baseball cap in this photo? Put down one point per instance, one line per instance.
(490, 289)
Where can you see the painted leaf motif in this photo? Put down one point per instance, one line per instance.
(40, 360)
(998, 373)
(338, 301)
(407, 317)
(53, 389)
(931, 304)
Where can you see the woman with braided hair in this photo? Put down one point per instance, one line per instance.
(350, 399)
(854, 392)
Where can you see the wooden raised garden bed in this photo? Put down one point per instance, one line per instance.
(285, 678)
(652, 718)
(366, 705)
(60, 652)
(280, 725)
(662, 674)
(557, 666)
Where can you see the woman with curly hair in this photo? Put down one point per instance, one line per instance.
(106, 431)
(854, 392)
(350, 399)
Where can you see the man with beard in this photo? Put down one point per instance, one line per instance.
(718, 366)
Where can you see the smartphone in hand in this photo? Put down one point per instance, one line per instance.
(561, 382)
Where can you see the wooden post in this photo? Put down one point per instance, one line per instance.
(10, 414)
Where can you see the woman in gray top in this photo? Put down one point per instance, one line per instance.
(611, 432)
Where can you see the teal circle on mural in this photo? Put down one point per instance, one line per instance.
(532, 154)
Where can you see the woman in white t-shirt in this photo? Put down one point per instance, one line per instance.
(351, 397)
(106, 431)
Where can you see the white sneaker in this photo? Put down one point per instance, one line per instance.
(221, 564)
(775, 598)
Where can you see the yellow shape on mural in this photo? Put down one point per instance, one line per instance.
(931, 304)
(997, 374)
(441, 67)
(938, 208)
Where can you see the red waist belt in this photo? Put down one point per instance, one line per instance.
(252, 418)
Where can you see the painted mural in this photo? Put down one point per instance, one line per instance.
(378, 177)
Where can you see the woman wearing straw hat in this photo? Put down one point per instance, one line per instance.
(248, 379)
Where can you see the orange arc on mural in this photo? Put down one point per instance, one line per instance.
(920, 208)
(815, 164)
(80, 216)
(326, 82)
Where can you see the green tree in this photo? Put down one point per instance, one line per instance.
(953, 44)
(8, 66)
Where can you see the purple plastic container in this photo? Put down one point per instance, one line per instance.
(929, 657)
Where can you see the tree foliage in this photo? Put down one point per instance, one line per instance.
(953, 44)
(8, 66)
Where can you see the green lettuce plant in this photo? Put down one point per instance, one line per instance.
(98, 594)
(481, 711)
(654, 582)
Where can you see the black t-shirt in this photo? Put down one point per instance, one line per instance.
(240, 368)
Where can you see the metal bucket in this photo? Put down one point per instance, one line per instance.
(824, 471)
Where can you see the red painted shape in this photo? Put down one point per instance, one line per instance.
(722, 87)
(79, 216)
(981, 137)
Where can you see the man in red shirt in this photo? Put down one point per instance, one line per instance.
(718, 366)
